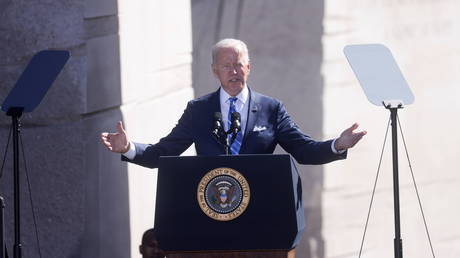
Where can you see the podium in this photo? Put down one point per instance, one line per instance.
(229, 206)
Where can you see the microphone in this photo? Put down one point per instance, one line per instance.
(217, 125)
(235, 126)
(218, 131)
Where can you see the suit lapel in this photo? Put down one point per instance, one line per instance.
(252, 117)
(215, 102)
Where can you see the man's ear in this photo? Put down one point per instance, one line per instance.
(141, 249)
(214, 71)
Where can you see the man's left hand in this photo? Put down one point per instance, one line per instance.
(348, 138)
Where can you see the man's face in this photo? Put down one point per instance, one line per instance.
(232, 70)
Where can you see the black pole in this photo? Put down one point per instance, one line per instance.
(2, 228)
(394, 133)
(15, 113)
(229, 142)
(227, 145)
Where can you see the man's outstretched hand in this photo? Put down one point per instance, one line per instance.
(348, 138)
(116, 142)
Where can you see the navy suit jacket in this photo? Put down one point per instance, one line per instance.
(196, 124)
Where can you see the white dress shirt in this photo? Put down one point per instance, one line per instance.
(241, 106)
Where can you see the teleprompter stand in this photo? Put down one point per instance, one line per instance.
(28, 92)
(394, 140)
(383, 84)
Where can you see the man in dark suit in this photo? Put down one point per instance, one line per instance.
(264, 121)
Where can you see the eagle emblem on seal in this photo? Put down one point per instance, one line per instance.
(224, 194)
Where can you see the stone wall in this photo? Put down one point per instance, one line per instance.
(155, 47)
(424, 38)
(130, 62)
(53, 135)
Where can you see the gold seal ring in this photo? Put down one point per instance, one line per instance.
(223, 194)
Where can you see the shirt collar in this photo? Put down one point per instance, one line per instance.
(242, 96)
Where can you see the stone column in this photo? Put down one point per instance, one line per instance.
(426, 47)
(130, 62)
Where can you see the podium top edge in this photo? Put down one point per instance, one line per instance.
(223, 155)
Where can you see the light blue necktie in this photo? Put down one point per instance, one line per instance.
(235, 147)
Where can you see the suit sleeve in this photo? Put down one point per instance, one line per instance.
(302, 147)
(176, 142)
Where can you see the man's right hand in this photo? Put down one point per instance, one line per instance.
(116, 142)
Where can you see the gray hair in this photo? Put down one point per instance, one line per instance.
(235, 44)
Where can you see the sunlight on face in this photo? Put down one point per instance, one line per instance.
(232, 70)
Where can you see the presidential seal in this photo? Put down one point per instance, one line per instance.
(223, 194)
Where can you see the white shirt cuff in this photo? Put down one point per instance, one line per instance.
(333, 148)
(131, 153)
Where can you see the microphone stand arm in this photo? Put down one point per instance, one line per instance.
(222, 138)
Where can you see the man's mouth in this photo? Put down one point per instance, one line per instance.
(235, 80)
